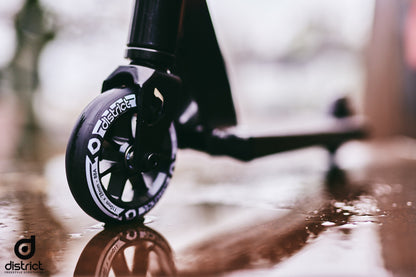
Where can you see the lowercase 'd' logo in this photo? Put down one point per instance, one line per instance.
(25, 248)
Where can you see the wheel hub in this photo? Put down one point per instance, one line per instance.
(150, 161)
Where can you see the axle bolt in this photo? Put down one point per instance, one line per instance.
(129, 158)
(151, 161)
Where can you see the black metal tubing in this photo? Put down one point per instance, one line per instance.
(200, 65)
(154, 32)
(179, 35)
(246, 149)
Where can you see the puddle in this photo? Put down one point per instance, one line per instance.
(345, 250)
(9, 226)
(341, 239)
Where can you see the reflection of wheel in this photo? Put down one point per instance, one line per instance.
(100, 165)
(132, 251)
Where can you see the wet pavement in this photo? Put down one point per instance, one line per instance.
(285, 215)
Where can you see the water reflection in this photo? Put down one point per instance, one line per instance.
(141, 251)
(126, 251)
(265, 245)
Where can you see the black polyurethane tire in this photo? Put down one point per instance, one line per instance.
(105, 121)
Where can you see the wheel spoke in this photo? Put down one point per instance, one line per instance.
(107, 167)
(111, 151)
(139, 185)
(119, 265)
(116, 184)
(140, 260)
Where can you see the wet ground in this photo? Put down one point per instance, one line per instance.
(285, 215)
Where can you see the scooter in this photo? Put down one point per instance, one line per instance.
(174, 94)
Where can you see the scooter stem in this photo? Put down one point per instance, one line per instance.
(154, 33)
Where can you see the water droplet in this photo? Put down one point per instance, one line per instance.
(328, 223)
(339, 204)
(97, 226)
(348, 226)
(348, 208)
(149, 219)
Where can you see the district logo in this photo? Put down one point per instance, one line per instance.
(24, 249)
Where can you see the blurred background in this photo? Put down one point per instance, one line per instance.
(287, 61)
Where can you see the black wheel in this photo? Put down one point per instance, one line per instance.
(99, 161)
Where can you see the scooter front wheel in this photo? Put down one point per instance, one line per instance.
(100, 167)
